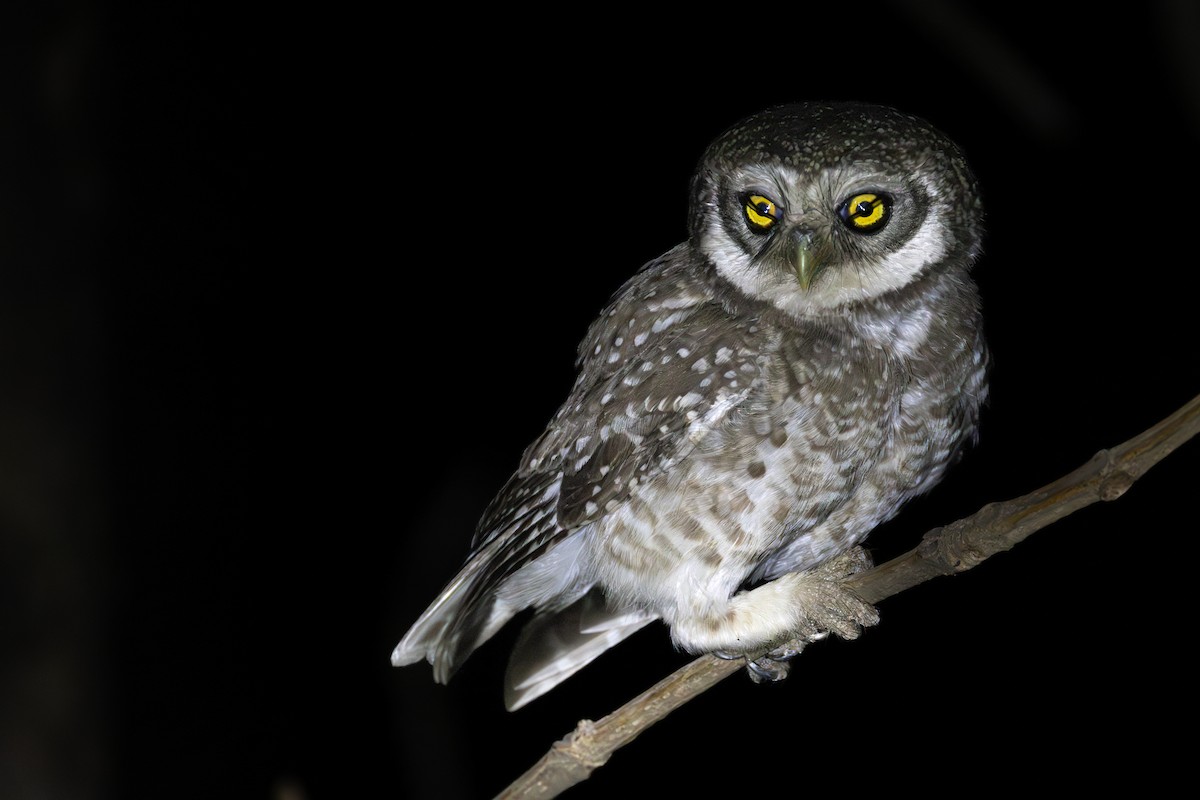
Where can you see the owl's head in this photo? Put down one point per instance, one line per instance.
(813, 207)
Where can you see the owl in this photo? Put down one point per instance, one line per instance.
(748, 407)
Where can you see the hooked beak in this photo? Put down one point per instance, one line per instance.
(805, 259)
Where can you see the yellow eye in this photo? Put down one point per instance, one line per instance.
(866, 212)
(761, 212)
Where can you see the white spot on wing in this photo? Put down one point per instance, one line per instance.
(663, 323)
(716, 412)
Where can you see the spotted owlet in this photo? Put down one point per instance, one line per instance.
(749, 406)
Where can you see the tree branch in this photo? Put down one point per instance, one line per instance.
(957, 547)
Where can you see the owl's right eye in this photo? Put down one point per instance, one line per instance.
(761, 212)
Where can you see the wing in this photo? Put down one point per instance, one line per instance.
(659, 370)
(662, 366)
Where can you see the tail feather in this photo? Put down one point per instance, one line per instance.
(456, 623)
(553, 646)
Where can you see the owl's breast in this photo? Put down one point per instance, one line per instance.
(793, 455)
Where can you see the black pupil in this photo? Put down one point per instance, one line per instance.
(864, 208)
(764, 209)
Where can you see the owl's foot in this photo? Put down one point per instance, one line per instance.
(829, 607)
(822, 605)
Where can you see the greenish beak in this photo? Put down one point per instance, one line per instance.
(805, 260)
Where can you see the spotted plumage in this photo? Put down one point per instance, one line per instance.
(748, 408)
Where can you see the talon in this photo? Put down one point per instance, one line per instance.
(784, 653)
(767, 670)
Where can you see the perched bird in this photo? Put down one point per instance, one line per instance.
(749, 406)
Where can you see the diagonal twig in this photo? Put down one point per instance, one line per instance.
(954, 548)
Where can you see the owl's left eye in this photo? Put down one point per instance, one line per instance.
(761, 212)
(866, 212)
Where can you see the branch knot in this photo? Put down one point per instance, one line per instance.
(578, 746)
(951, 548)
(1114, 481)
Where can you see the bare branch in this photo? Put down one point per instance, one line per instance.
(954, 548)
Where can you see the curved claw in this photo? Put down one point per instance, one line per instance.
(767, 670)
(773, 665)
(785, 653)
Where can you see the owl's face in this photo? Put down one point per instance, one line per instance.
(815, 207)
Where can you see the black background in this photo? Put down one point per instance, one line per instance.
(284, 294)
